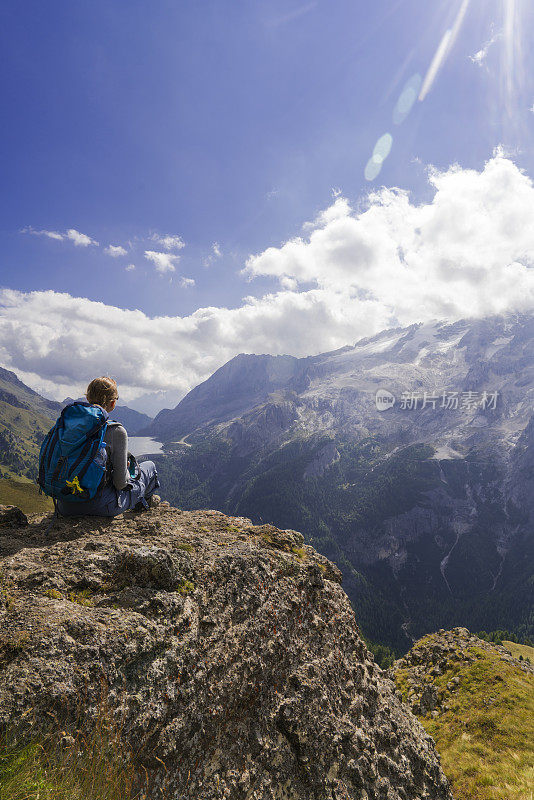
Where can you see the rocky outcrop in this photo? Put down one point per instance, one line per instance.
(12, 517)
(324, 459)
(435, 655)
(228, 654)
(263, 426)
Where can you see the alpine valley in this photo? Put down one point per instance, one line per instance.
(427, 506)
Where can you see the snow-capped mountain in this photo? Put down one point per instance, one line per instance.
(405, 457)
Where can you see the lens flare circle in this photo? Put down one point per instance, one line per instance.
(372, 170)
(407, 98)
(381, 151)
(382, 148)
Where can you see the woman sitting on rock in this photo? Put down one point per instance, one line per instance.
(123, 491)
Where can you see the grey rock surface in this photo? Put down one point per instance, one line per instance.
(229, 654)
(12, 517)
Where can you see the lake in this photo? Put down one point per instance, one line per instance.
(144, 446)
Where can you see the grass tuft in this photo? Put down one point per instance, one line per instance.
(53, 594)
(13, 643)
(82, 598)
(185, 587)
(185, 546)
(66, 767)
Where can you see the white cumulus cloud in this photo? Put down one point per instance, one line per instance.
(469, 251)
(44, 335)
(79, 239)
(129, 267)
(164, 262)
(168, 242)
(49, 234)
(115, 250)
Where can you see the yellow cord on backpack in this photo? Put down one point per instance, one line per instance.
(74, 485)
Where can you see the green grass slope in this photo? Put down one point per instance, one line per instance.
(21, 433)
(520, 650)
(25, 417)
(24, 494)
(477, 703)
(15, 392)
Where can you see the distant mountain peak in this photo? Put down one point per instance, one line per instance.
(133, 421)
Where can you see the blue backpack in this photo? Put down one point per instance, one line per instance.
(73, 457)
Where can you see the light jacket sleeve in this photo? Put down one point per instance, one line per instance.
(119, 457)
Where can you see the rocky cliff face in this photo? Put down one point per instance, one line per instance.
(237, 386)
(229, 654)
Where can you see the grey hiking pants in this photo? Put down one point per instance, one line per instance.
(111, 501)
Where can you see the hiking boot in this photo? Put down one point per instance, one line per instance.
(147, 502)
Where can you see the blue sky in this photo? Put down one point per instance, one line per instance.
(229, 124)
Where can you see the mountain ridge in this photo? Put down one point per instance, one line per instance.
(429, 504)
(250, 374)
(25, 418)
(134, 421)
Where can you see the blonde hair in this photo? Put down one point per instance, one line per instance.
(102, 391)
